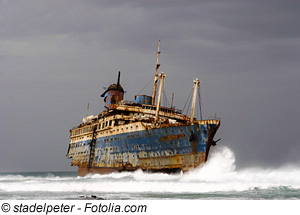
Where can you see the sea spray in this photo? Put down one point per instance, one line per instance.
(216, 179)
(221, 165)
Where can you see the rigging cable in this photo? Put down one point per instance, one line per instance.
(188, 100)
(190, 103)
(166, 102)
(200, 102)
(145, 86)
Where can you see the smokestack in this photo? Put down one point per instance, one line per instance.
(118, 83)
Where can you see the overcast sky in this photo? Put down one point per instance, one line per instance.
(56, 56)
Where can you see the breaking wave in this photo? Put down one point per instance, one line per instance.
(218, 175)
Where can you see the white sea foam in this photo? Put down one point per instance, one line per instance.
(217, 175)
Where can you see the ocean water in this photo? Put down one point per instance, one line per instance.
(217, 179)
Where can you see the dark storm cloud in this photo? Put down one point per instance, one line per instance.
(55, 57)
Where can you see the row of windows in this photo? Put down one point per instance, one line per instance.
(127, 128)
(138, 147)
(160, 109)
(110, 139)
(90, 128)
(151, 154)
(99, 127)
(80, 144)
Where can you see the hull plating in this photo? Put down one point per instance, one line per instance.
(131, 147)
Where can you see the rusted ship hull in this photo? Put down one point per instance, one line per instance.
(170, 149)
(162, 164)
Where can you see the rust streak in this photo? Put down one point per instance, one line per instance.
(172, 137)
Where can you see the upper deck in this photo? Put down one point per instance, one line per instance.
(146, 110)
(141, 117)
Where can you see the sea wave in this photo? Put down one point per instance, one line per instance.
(219, 174)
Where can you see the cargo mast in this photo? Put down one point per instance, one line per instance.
(196, 86)
(162, 78)
(156, 75)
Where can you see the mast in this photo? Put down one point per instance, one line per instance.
(172, 100)
(87, 110)
(162, 78)
(156, 75)
(196, 86)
